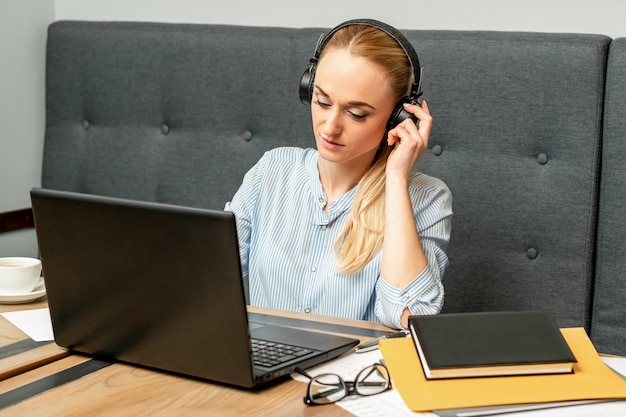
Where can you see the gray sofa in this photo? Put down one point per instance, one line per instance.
(530, 135)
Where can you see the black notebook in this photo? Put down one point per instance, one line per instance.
(490, 344)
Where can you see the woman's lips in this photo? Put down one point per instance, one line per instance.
(330, 145)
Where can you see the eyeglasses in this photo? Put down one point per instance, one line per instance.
(330, 388)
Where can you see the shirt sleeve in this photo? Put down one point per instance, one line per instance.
(243, 206)
(432, 208)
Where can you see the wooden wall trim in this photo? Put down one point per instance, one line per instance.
(15, 220)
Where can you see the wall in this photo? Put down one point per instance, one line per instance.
(22, 46)
(23, 29)
(599, 16)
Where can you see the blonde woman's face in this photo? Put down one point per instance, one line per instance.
(352, 101)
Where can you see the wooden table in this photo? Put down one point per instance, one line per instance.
(19, 353)
(33, 383)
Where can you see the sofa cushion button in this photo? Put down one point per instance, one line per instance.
(437, 150)
(165, 129)
(531, 253)
(86, 124)
(542, 158)
(247, 136)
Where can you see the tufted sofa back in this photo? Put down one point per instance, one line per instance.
(169, 113)
(517, 138)
(178, 113)
(608, 325)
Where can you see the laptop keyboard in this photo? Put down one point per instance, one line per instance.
(270, 354)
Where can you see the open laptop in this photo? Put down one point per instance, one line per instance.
(160, 286)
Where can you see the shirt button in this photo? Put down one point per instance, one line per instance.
(321, 199)
(405, 295)
(323, 227)
(307, 310)
(313, 268)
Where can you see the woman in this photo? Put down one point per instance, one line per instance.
(349, 229)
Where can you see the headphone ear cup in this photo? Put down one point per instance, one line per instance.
(400, 114)
(306, 85)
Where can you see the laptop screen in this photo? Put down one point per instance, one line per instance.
(157, 285)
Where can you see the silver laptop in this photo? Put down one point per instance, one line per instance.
(160, 286)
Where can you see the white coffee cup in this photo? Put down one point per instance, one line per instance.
(19, 275)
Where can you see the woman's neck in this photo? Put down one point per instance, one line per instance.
(338, 179)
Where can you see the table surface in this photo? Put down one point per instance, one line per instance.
(33, 382)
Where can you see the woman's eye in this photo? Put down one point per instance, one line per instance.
(353, 114)
(322, 104)
(357, 116)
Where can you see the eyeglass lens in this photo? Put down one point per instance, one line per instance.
(372, 380)
(327, 388)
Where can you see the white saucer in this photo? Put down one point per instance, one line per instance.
(38, 292)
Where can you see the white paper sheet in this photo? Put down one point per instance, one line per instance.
(387, 404)
(35, 323)
(617, 364)
(347, 366)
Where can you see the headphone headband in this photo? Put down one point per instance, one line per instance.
(306, 84)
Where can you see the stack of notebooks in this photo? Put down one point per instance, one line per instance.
(471, 360)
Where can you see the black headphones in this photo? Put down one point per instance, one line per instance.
(399, 114)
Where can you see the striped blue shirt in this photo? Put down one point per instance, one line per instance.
(286, 241)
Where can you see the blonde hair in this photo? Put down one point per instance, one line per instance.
(362, 236)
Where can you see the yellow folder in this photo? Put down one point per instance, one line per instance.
(592, 379)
